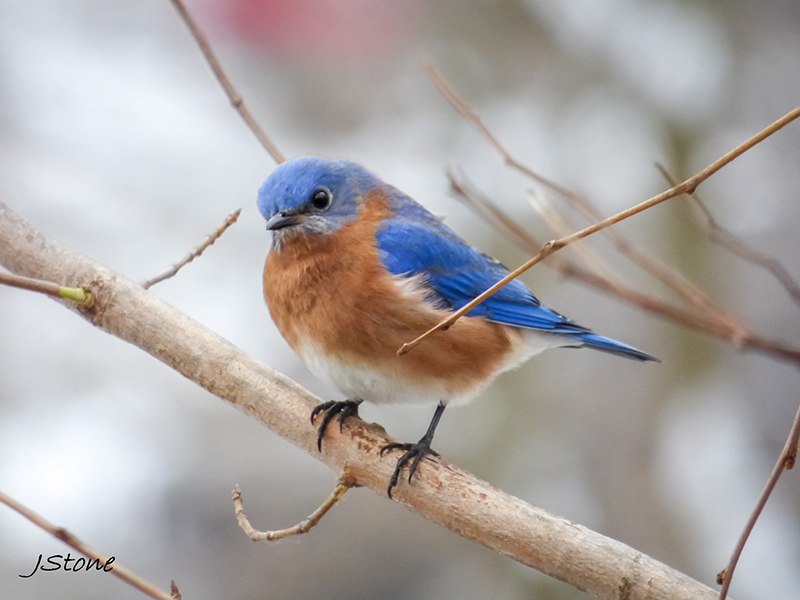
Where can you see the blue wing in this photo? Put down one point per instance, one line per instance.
(416, 243)
(456, 273)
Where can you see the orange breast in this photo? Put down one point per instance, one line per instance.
(332, 291)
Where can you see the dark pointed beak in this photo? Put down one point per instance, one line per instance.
(282, 219)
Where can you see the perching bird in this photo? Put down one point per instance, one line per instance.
(357, 268)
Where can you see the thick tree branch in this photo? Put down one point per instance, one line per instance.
(441, 492)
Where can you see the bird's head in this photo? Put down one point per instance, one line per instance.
(313, 196)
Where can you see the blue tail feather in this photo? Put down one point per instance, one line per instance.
(606, 344)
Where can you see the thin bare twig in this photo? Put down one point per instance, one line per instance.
(174, 592)
(664, 273)
(469, 114)
(719, 235)
(786, 460)
(346, 481)
(77, 295)
(70, 540)
(559, 227)
(194, 252)
(678, 314)
(234, 97)
(488, 210)
(484, 207)
(549, 248)
(481, 205)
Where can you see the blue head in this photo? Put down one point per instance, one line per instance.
(312, 195)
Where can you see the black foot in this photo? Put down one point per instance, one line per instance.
(344, 408)
(414, 453)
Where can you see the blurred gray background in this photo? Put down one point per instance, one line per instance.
(115, 140)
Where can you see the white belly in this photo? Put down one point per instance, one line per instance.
(371, 384)
(384, 386)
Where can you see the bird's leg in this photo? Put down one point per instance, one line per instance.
(413, 452)
(343, 408)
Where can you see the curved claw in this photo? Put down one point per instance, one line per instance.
(344, 408)
(414, 453)
(406, 446)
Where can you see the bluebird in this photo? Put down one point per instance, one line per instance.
(357, 268)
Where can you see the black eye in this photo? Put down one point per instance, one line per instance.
(321, 198)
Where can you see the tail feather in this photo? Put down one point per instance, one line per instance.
(605, 344)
